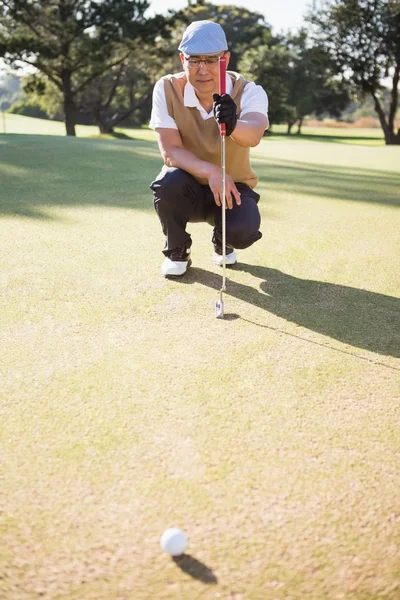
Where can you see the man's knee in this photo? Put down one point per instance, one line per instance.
(171, 185)
(244, 231)
(243, 239)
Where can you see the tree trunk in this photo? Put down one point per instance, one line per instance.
(390, 137)
(300, 124)
(104, 123)
(69, 105)
(290, 125)
(395, 97)
(106, 128)
(393, 139)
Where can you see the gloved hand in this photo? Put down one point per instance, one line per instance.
(224, 109)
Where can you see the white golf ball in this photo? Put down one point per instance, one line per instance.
(174, 541)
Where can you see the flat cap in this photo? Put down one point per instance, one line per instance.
(203, 37)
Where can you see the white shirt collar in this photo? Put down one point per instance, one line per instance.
(191, 100)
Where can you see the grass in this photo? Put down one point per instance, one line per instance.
(17, 124)
(270, 437)
(25, 125)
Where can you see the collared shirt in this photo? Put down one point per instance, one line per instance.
(254, 99)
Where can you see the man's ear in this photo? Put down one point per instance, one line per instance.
(181, 56)
(227, 56)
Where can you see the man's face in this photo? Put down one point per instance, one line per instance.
(202, 71)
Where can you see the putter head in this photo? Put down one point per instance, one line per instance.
(219, 309)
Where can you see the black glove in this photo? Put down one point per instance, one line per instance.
(224, 109)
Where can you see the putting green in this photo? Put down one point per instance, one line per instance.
(270, 437)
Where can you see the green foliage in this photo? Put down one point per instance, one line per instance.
(115, 96)
(28, 108)
(269, 67)
(363, 37)
(73, 43)
(363, 40)
(298, 78)
(313, 87)
(45, 94)
(123, 94)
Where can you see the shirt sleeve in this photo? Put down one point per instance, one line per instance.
(159, 111)
(254, 99)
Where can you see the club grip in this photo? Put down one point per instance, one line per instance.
(222, 87)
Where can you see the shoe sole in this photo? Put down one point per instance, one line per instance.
(189, 262)
(228, 265)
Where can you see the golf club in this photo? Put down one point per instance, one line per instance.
(219, 306)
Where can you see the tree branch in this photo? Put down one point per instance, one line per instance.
(381, 114)
(395, 97)
(114, 87)
(44, 70)
(121, 116)
(100, 72)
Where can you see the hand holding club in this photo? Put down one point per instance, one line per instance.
(225, 111)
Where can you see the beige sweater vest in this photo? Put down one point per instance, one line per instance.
(202, 137)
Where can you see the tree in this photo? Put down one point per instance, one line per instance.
(269, 66)
(363, 39)
(113, 97)
(43, 93)
(297, 77)
(73, 42)
(313, 87)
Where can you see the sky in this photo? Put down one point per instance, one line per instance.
(281, 14)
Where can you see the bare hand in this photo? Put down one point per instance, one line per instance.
(215, 183)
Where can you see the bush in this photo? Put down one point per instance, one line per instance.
(368, 123)
(363, 123)
(28, 109)
(326, 123)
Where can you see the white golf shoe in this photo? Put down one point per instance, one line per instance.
(176, 264)
(231, 257)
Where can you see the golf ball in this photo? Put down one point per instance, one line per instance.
(173, 541)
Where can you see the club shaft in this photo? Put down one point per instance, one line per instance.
(223, 213)
(222, 130)
(222, 90)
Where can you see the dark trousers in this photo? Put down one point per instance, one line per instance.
(180, 199)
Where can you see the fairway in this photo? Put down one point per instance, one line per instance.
(270, 437)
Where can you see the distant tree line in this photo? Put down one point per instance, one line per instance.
(9, 91)
(98, 61)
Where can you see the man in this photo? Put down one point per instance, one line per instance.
(186, 113)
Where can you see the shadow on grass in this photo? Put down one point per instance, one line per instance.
(356, 317)
(38, 173)
(195, 568)
(121, 136)
(341, 183)
(118, 135)
(336, 139)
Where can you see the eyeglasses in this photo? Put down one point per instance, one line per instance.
(195, 63)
